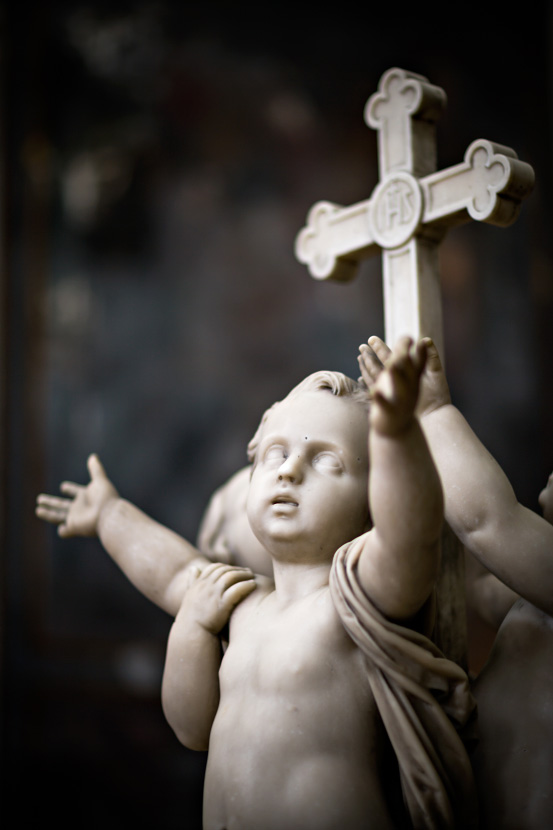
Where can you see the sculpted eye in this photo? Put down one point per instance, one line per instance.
(328, 461)
(275, 454)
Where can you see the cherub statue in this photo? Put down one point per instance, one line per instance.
(513, 761)
(327, 668)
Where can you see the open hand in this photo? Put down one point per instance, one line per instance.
(394, 392)
(78, 515)
(213, 594)
(434, 390)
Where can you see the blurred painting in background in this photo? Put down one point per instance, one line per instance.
(158, 159)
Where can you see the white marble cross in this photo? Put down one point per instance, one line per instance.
(412, 206)
(406, 218)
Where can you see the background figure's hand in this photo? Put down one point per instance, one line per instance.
(78, 515)
(371, 360)
(395, 391)
(434, 390)
(214, 593)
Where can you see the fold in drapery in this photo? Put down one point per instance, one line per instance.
(424, 701)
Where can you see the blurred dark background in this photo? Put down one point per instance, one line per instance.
(158, 159)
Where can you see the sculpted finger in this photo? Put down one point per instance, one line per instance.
(54, 502)
(384, 384)
(54, 517)
(71, 488)
(401, 349)
(237, 592)
(400, 376)
(194, 571)
(399, 367)
(233, 576)
(95, 467)
(408, 359)
(400, 364)
(211, 570)
(418, 354)
(373, 362)
(433, 361)
(366, 376)
(45, 498)
(380, 348)
(64, 531)
(369, 364)
(434, 389)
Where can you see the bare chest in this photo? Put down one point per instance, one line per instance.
(295, 649)
(295, 701)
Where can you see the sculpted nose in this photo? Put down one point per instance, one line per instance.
(290, 470)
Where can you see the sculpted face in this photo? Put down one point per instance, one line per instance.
(308, 492)
(545, 500)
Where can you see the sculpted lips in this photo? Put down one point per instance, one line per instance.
(283, 498)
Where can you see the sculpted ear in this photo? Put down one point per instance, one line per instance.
(254, 442)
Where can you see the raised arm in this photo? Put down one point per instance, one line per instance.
(399, 564)
(511, 541)
(154, 558)
(190, 689)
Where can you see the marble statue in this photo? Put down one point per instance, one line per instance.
(329, 706)
(513, 759)
(300, 653)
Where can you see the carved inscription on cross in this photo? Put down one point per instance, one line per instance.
(406, 218)
(412, 206)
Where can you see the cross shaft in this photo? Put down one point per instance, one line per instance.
(412, 206)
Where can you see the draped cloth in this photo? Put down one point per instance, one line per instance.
(424, 701)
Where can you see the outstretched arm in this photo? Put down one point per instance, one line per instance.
(511, 541)
(400, 561)
(190, 689)
(154, 558)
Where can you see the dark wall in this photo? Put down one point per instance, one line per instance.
(159, 160)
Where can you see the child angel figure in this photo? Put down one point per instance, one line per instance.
(323, 710)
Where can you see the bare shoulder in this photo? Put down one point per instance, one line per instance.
(265, 587)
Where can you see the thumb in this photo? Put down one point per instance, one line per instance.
(419, 355)
(95, 467)
(64, 532)
(432, 357)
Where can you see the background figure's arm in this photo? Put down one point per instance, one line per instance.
(490, 598)
(151, 556)
(154, 558)
(511, 541)
(400, 563)
(190, 689)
